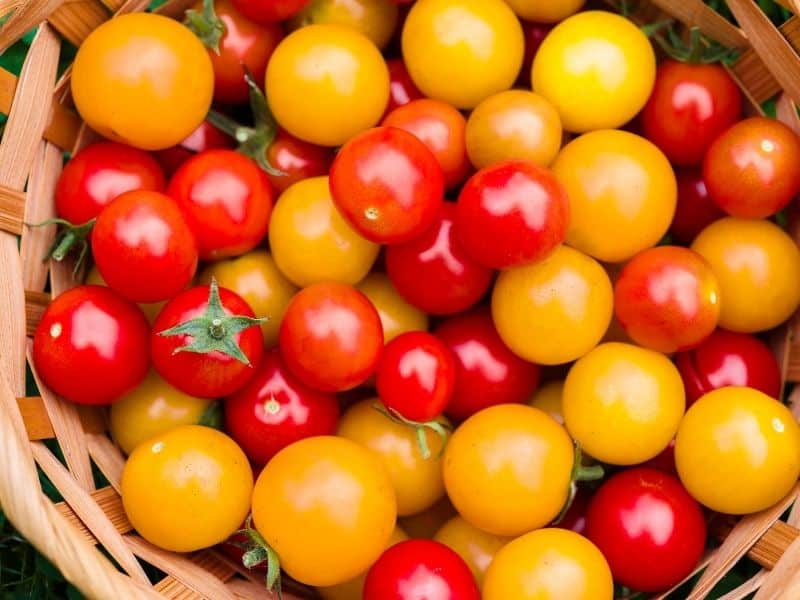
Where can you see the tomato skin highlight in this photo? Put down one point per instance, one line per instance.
(205, 137)
(401, 88)
(298, 160)
(695, 209)
(91, 345)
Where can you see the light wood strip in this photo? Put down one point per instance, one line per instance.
(35, 305)
(783, 581)
(25, 18)
(37, 421)
(747, 588)
(698, 14)
(107, 457)
(110, 503)
(77, 19)
(12, 210)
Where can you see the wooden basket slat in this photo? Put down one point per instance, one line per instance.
(108, 458)
(76, 19)
(110, 502)
(747, 588)
(698, 14)
(12, 210)
(27, 16)
(40, 427)
(35, 305)
(781, 581)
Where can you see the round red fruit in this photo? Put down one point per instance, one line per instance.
(534, 36)
(296, 160)
(205, 137)
(401, 88)
(269, 11)
(695, 209)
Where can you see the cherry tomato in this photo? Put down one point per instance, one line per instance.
(397, 315)
(143, 247)
(143, 80)
(511, 213)
(575, 517)
(401, 88)
(596, 68)
(194, 361)
(545, 12)
(269, 11)
(205, 137)
(99, 173)
(508, 468)
(274, 409)
(296, 160)
(695, 209)
(387, 184)
(549, 398)
(651, 531)
(623, 403)
(534, 36)
(331, 337)
(738, 450)
(477, 548)
(667, 299)
(150, 309)
(554, 311)
(664, 461)
(622, 193)
(152, 408)
(187, 489)
(376, 19)
(341, 77)
(339, 495)
(549, 564)
(758, 268)
(311, 242)
(513, 125)
(487, 372)
(727, 358)
(226, 199)
(434, 273)
(420, 569)
(462, 51)
(91, 345)
(417, 481)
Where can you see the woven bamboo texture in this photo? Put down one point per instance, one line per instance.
(41, 125)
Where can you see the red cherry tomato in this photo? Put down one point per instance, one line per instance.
(575, 517)
(91, 345)
(487, 372)
(434, 273)
(727, 358)
(401, 88)
(205, 137)
(665, 461)
(331, 337)
(651, 531)
(511, 213)
(534, 36)
(98, 174)
(667, 299)
(695, 209)
(442, 129)
(751, 169)
(269, 11)
(420, 570)
(211, 374)
(275, 409)
(297, 160)
(387, 184)
(691, 105)
(226, 200)
(143, 247)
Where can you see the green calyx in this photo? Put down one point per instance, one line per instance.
(69, 239)
(259, 551)
(212, 416)
(214, 330)
(441, 429)
(580, 472)
(699, 50)
(206, 25)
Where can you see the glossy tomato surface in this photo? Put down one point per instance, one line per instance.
(401, 88)
(695, 209)
(476, 547)
(205, 137)
(376, 19)
(296, 160)
(397, 315)
(545, 12)
(269, 11)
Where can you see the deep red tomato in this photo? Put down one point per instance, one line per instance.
(511, 213)
(212, 354)
(276, 409)
(442, 129)
(98, 174)
(269, 11)
(420, 570)
(751, 170)
(487, 372)
(331, 337)
(665, 461)
(651, 531)
(667, 299)
(401, 88)
(727, 358)
(416, 376)
(534, 36)
(226, 199)
(695, 209)
(205, 137)
(691, 105)
(433, 273)
(297, 160)
(387, 184)
(143, 247)
(575, 517)
(91, 345)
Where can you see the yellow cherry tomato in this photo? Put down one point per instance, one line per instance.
(551, 11)
(508, 469)
(150, 310)
(376, 19)
(257, 279)
(553, 311)
(476, 547)
(758, 268)
(597, 68)
(549, 564)
(427, 523)
(152, 408)
(144, 80)
(462, 51)
(327, 507)
(187, 489)
(622, 193)
(311, 242)
(738, 450)
(549, 399)
(417, 482)
(515, 124)
(623, 403)
(397, 315)
(326, 83)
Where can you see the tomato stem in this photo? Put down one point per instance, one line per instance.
(699, 50)
(212, 416)
(69, 238)
(438, 427)
(579, 473)
(207, 26)
(260, 551)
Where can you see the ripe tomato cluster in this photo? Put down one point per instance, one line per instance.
(462, 258)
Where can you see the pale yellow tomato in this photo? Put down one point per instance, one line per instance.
(376, 19)
(397, 315)
(547, 11)
(548, 398)
(150, 310)
(476, 547)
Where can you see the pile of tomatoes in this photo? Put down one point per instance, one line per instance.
(468, 256)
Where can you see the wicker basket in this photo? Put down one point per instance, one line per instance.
(39, 129)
